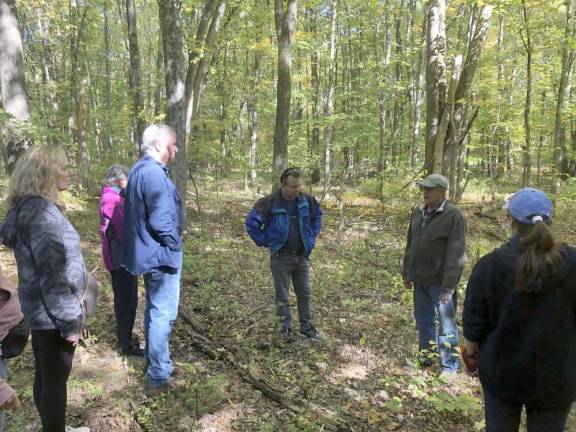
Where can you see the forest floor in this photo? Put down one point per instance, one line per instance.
(362, 377)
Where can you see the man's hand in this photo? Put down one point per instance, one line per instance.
(11, 404)
(407, 284)
(73, 339)
(470, 362)
(445, 298)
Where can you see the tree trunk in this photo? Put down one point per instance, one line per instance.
(498, 136)
(458, 122)
(527, 168)
(206, 35)
(158, 91)
(568, 54)
(315, 84)
(48, 64)
(135, 80)
(108, 78)
(447, 119)
(13, 82)
(285, 20)
(417, 75)
(83, 157)
(169, 12)
(95, 116)
(329, 106)
(382, 70)
(253, 108)
(435, 76)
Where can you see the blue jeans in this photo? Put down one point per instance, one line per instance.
(426, 305)
(162, 295)
(285, 267)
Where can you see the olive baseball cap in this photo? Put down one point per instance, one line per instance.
(434, 181)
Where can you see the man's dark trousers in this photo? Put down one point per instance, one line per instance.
(287, 266)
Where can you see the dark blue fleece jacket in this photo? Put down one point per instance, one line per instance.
(527, 341)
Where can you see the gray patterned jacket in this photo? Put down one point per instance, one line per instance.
(51, 272)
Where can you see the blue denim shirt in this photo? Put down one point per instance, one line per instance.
(267, 223)
(152, 228)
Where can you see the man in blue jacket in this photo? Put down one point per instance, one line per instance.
(152, 245)
(287, 222)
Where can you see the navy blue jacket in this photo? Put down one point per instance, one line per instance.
(268, 223)
(527, 341)
(152, 228)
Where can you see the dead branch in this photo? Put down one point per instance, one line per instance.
(250, 372)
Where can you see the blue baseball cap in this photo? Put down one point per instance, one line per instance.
(529, 206)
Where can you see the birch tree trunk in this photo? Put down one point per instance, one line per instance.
(285, 20)
(13, 82)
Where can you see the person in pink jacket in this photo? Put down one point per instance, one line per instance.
(10, 315)
(124, 284)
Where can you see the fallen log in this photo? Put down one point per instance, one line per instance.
(251, 373)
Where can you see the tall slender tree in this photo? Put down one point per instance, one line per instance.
(285, 20)
(13, 82)
(135, 73)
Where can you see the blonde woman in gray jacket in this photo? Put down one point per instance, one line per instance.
(51, 274)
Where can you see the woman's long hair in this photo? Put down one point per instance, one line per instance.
(540, 254)
(36, 173)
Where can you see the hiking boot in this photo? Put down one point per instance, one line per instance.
(132, 350)
(286, 335)
(164, 388)
(77, 429)
(312, 334)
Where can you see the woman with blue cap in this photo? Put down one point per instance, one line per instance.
(520, 322)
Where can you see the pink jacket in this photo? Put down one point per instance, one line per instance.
(10, 315)
(111, 212)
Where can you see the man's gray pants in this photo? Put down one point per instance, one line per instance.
(285, 267)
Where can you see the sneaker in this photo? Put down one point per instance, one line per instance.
(77, 429)
(311, 333)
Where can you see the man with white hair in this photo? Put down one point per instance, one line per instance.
(152, 232)
(433, 263)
